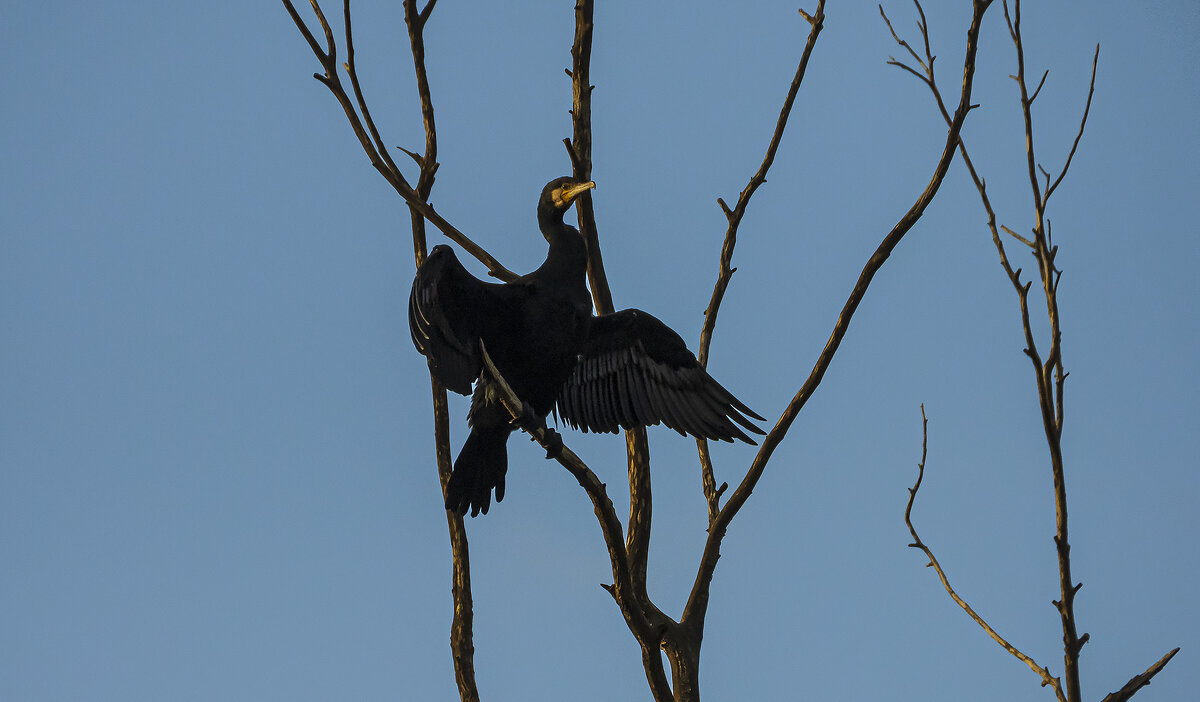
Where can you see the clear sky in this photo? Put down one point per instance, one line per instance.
(216, 470)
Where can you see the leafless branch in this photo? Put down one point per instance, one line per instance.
(697, 605)
(352, 72)
(329, 43)
(1046, 390)
(734, 217)
(1039, 87)
(733, 220)
(926, 63)
(648, 625)
(382, 162)
(416, 32)
(1018, 237)
(1049, 386)
(1042, 672)
(580, 150)
(424, 15)
(1049, 375)
(708, 481)
(321, 55)
(633, 599)
(1140, 681)
(1014, 275)
(1082, 123)
(462, 648)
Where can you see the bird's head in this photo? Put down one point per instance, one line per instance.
(558, 195)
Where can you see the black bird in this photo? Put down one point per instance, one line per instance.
(625, 369)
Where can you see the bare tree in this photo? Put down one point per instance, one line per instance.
(1049, 375)
(657, 633)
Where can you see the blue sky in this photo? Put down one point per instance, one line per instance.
(216, 469)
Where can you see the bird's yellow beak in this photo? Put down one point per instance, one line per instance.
(570, 192)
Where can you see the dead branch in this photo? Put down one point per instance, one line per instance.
(635, 601)
(647, 626)
(1041, 671)
(580, 150)
(368, 136)
(733, 218)
(1050, 394)
(1079, 135)
(1140, 681)
(462, 647)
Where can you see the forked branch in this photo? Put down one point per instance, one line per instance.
(368, 136)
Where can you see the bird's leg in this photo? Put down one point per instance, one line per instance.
(528, 419)
(531, 421)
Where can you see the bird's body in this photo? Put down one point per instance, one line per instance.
(621, 370)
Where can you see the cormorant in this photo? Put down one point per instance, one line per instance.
(625, 369)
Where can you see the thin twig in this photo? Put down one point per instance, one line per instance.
(1140, 681)
(1042, 672)
(1082, 123)
(352, 72)
(1039, 87)
(733, 220)
(734, 217)
(304, 31)
(329, 43)
(1018, 237)
(923, 63)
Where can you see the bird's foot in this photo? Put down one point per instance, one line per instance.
(528, 420)
(531, 422)
(554, 443)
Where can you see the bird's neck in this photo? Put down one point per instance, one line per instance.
(567, 258)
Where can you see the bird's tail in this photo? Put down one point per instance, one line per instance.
(479, 468)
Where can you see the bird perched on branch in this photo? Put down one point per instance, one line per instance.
(625, 369)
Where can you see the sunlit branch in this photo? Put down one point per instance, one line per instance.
(1042, 672)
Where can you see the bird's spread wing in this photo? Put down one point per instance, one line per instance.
(635, 371)
(448, 312)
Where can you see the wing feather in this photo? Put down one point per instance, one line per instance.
(448, 312)
(635, 371)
